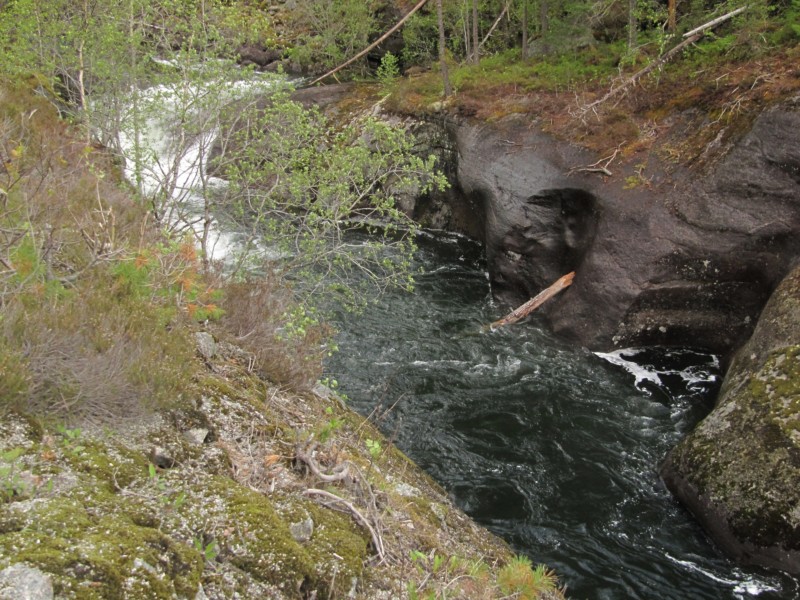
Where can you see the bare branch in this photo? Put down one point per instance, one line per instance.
(377, 541)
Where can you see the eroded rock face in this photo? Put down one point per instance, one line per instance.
(679, 261)
(739, 471)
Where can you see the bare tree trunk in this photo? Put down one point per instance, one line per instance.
(442, 53)
(633, 25)
(476, 48)
(672, 18)
(544, 23)
(524, 28)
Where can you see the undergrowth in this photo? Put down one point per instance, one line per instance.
(96, 304)
(730, 73)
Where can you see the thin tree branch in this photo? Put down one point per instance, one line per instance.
(494, 25)
(377, 541)
(372, 45)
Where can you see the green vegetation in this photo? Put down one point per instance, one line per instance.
(332, 32)
(443, 577)
(555, 62)
(99, 280)
(388, 71)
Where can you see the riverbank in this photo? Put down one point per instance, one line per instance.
(149, 450)
(238, 488)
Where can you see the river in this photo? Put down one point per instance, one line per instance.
(553, 448)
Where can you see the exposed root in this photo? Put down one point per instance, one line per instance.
(341, 472)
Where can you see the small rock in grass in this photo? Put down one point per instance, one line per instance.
(302, 531)
(19, 582)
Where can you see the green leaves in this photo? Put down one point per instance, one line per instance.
(322, 202)
(334, 30)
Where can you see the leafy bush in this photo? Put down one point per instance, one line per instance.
(88, 297)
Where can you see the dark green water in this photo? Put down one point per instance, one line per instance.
(553, 448)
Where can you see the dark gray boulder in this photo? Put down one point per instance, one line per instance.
(260, 57)
(739, 470)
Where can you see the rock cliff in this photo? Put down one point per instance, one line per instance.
(739, 471)
(663, 256)
(673, 257)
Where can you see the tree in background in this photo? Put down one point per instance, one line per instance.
(297, 194)
(448, 90)
(334, 30)
(476, 44)
(524, 29)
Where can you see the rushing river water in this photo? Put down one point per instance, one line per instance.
(553, 448)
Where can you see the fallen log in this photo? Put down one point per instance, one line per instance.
(350, 61)
(690, 38)
(531, 305)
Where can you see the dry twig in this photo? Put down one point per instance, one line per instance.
(597, 167)
(377, 540)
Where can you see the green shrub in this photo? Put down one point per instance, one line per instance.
(91, 356)
(389, 70)
(520, 579)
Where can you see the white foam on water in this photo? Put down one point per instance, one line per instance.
(640, 373)
(746, 587)
(693, 375)
(178, 163)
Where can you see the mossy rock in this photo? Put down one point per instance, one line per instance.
(259, 542)
(93, 549)
(739, 471)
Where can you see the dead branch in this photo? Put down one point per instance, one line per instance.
(536, 302)
(691, 38)
(597, 167)
(660, 61)
(717, 21)
(377, 541)
(494, 26)
(305, 456)
(397, 26)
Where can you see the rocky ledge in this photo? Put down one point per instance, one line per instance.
(238, 490)
(663, 255)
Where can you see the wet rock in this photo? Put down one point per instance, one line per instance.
(688, 260)
(19, 582)
(739, 470)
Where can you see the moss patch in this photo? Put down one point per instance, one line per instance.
(745, 457)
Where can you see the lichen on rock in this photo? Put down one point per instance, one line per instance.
(93, 512)
(739, 471)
